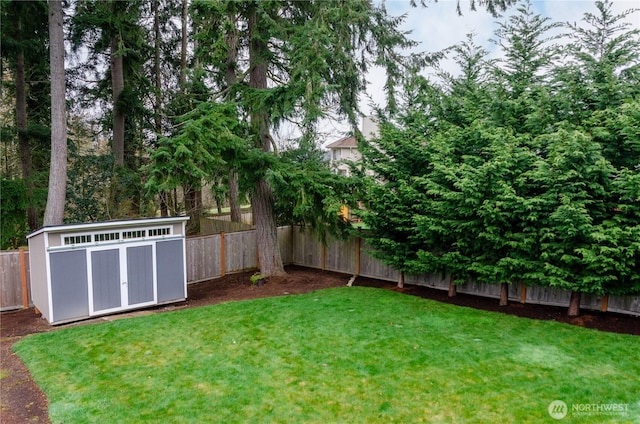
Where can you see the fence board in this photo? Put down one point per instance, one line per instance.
(547, 296)
(307, 250)
(11, 280)
(340, 256)
(301, 247)
(285, 242)
(374, 268)
(209, 226)
(203, 258)
(241, 251)
(625, 304)
(590, 301)
(436, 281)
(479, 288)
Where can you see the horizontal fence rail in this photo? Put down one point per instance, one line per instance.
(213, 256)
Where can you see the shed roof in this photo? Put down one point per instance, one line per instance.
(344, 143)
(109, 224)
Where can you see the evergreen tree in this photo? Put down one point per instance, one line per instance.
(597, 92)
(391, 199)
(511, 178)
(25, 55)
(521, 99)
(466, 98)
(112, 29)
(574, 179)
(54, 212)
(210, 138)
(604, 66)
(309, 193)
(296, 61)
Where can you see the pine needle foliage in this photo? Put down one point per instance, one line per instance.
(522, 170)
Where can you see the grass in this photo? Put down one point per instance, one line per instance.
(339, 355)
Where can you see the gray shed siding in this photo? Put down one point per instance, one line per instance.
(139, 274)
(170, 270)
(38, 277)
(84, 270)
(69, 289)
(105, 276)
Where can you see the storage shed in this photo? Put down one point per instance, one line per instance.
(84, 270)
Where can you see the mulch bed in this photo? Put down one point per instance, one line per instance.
(21, 401)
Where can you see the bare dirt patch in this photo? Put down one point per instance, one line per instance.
(21, 401)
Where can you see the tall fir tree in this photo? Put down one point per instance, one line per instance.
(112, 29)
(25, 55)
(296, 61)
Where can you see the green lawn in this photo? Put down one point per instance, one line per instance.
(346, 355)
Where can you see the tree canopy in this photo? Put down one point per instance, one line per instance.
(519, 170)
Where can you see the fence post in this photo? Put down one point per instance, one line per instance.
(222, 254)
(452, 287)
(23, 278)
(605, 303)
(291, 258)
(357, 256)
(323, 256)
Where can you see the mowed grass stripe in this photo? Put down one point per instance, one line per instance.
(337, 355)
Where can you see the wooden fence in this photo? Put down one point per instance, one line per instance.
(15, 290)
(351, 256)
(218, 224)
(213, 256)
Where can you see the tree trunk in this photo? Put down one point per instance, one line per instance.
(504, 294)
(24, 145)
(574, 304)
(117, 86)
(401, 280)
(262, 198)
(183, 44)
(234, 201)
(232, 55)
(157, 110)
(156, 70)
(173, 201)
(230, 79)
(452, 288)
(54, 212)
(164, 207)
(193, 206)
(266, 231)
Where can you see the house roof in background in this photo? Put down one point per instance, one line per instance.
(347, 142)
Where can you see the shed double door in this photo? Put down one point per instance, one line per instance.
(121, 277)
